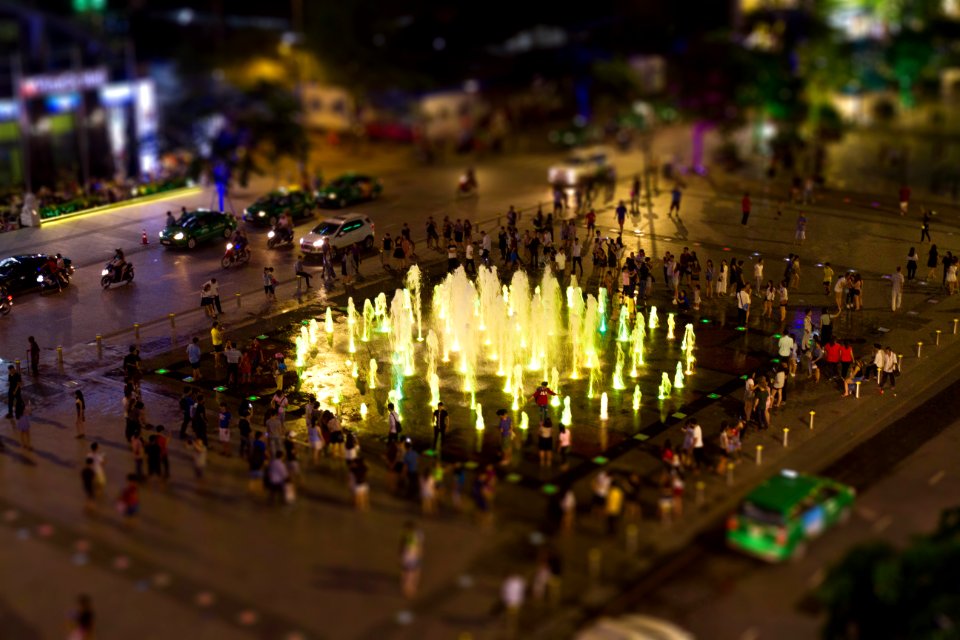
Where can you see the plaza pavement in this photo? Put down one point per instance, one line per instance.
(230, 566)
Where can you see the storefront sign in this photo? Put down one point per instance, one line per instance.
(66, 82)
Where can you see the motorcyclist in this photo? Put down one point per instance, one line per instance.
(239, 240)
(51, 269)
(468, 181)
(117, 265)
(284, 228)
(171, 219)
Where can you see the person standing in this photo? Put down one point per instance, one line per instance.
(576, 259)
(506, 435)
(440, 422)
(801, 233)
(925, 227)
(214, 292)
(827, 278)
(186, 408)
(890, 370)
(933, 259)
(545, 442)
(745, 208)
(411, 557)
(269, 284)
(896, 290)
(913, 261)
(621, 215)
(33, 352)
(300, 271)
(675, 196)
(199, 420)
(216, 339)
(758, 275)
(743, 306)
(81, 408)
(14, 388)
(233, 356)
(542, 396)
(904, 195)
(395, 426)
(193, 356)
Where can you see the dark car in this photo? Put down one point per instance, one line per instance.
(198, 226)
(18, 274)
(348, 189)
(266, 210)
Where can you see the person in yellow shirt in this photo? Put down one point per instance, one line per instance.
(614, 508)
(216, 337)
(827, 277)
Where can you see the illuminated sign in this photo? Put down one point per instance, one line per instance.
(66, 82)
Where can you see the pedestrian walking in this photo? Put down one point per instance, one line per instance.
(675, 196)
(745, 208)
(925, 226)
(269, 284)
(81, 627)
(904, 197)
(743, 306)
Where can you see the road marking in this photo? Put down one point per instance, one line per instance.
(936, 478)
(881, 524)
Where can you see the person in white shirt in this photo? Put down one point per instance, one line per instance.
(575, 255)
(561, 261)
(896, 290)
(695, 438)
(468, 263)
(784, 297)
(748, 397)
(485, 244)
(395, 426)
(785, 345)
(758, 274)
(743, 305)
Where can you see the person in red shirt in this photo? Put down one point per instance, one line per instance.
(846, 357)
(831, 356)
(591, 222)
(542, 397)
(129, 502)
(904, 199)
(745, 208)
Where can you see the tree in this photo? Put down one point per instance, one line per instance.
(876, 591)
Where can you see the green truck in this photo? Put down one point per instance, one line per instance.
(778, 518)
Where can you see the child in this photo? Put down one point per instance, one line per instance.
(129, 502)
(224, 428)
(696, 297)
(199, 457)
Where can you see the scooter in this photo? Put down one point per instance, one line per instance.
(466, 187)
(6, 302)
(48, 282)
(279, 236)
(110, 274)
(232, 256)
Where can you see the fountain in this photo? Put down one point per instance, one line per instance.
(479, 426)
(414, 285)
(555, 386)
(372, 381)
(603, 406)
(678, 377)
(618, 369)
(524, 424)
(637, 398)
(653, 322)
(363, 410)
(368, 320)
(566, 418)
(591, 387)
(671, 325)
(602, 305)
(328, 322)
(665, 386)
(623, 326)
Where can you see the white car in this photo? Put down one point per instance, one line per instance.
(582, 165)
(340, 232)
(633, 627)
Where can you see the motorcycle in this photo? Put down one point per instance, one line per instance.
(279, 236)
(232, 256)
(6, 302)
(48, 281)
(111, 275)
(467, 187)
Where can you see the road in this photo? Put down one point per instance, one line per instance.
(905, 477)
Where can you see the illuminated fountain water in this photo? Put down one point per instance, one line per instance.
(604, 401)
(623, 324)
(372, 380)
(653, 322)
(618, 369)
(678, 377)
(665, 386)
(671, 326)
(328, 322)
(555, 386)
(636, 346)
(369, 317)
(413, 282)
(689, 341)
(566, 417)
(637, 398)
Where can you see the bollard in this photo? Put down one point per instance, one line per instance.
(60, 357)
(955, 320)
(173, 320)
(730, 474)
(858, 390)
(700, 492)
(759, 454)
(786, 436)
(633, 538)
(594, 563)
(919, 348)
(17, 363)
(99, 346)
(937, 341)
(238, 299)
(136, 330)
(812, 413)
(899, 360)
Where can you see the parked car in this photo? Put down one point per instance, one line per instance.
(778, 518)
(198, 226)
(265, 211)
(18, 274)
(581, 167)
(339, 232)
(348, 189)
